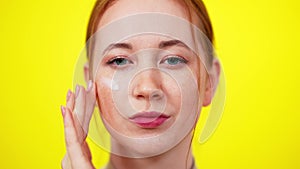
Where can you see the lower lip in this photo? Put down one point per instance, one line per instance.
(149, 122)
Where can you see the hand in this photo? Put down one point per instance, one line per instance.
(77, 115)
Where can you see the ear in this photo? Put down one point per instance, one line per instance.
(86, 72)
(212, 82)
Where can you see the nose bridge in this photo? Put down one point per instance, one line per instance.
(147, 58)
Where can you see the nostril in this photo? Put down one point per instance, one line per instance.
(156, 95)
(140, 96)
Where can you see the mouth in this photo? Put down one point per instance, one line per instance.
(149, 119)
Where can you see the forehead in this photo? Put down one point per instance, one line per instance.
(123, 8)
(149, 41)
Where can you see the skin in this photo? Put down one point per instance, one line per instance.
(143, 85)
(83, 100)
(141, 95)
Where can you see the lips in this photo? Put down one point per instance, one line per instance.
(149, 119)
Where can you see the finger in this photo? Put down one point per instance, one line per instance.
(70, 100)
(89, 104)
(80, 103)
(74, 150)
(79, 112)
(65, 163)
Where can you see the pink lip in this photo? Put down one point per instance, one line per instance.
(149, 119)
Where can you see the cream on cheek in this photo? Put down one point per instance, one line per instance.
(110, 83)
(105, 86)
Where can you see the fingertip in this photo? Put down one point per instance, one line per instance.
(70, 101)
(65, 116)
(69, 95)
(90, 85)
(92, 88)
(63, 110)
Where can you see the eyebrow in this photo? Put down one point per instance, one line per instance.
(118, 45)
(163, 44)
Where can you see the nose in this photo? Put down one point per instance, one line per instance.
(147, 85)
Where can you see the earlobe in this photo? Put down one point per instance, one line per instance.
(212, 82)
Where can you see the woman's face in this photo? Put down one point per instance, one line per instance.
(150, 88)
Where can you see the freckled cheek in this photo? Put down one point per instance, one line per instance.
(104, 99)
(172, 92)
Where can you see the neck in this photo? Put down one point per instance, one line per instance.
(179, 157)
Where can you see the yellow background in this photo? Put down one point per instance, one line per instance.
(257, 41)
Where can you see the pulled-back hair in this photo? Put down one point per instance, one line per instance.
(197, 5)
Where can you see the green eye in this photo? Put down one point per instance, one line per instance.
(174, 60)
(119, 61)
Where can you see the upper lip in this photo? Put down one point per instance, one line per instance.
(149, 114)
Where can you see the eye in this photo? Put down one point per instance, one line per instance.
(119, 61)
(174, 60)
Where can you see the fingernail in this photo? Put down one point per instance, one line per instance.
(69, 94)
(90, 85)
(77, 90)
(63, 110)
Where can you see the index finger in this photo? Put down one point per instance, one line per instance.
(89, 104)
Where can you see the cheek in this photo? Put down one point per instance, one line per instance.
(172, 92)
(104, 93)
(104, 98)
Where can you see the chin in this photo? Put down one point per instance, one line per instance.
(140, 148)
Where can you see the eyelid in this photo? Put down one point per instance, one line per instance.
(118, 57)
(174, 55)
(113, 59)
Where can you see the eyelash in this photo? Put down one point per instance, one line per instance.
(118, 58)
(179, 59)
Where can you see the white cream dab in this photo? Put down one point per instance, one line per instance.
(110, 83)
